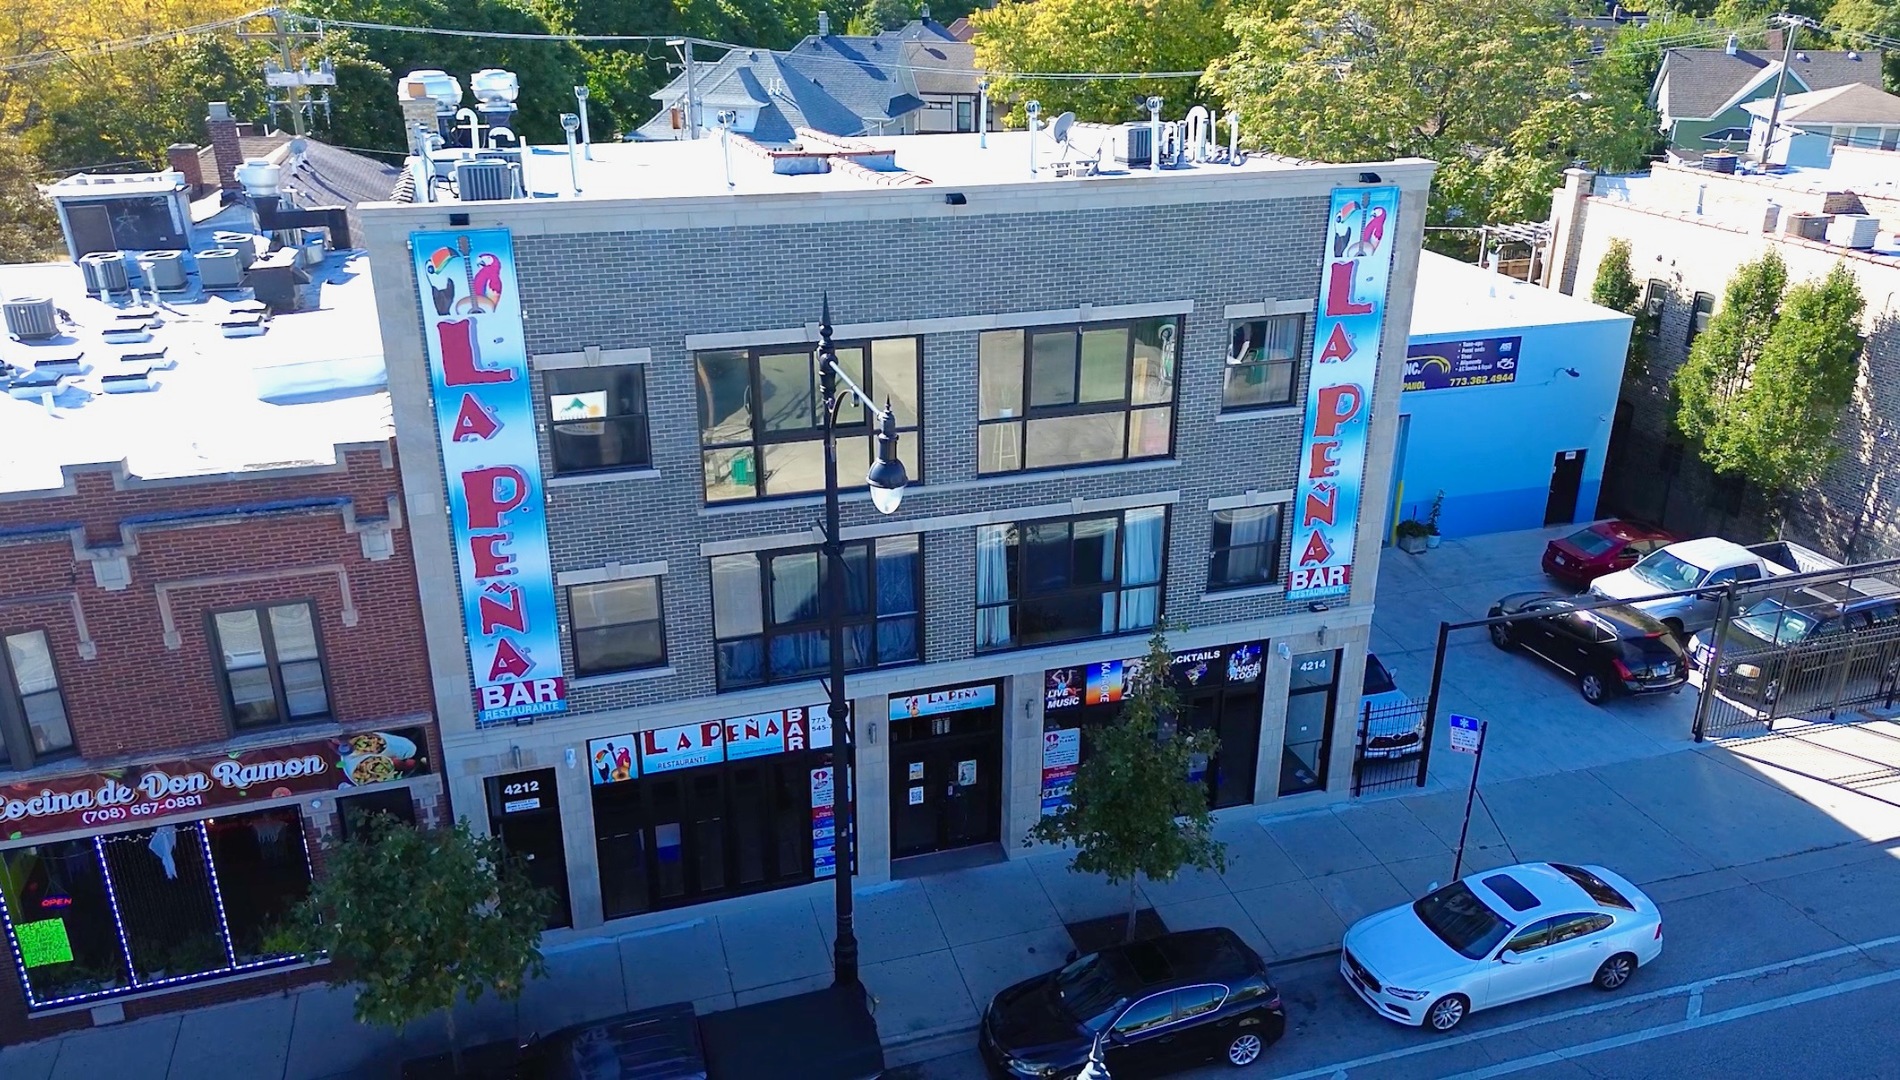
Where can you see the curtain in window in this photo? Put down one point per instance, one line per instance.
(1246, 533)
(1109, 598)
(992, 586)
(1143, 540)
(1282, 339)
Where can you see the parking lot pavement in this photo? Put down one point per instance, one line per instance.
(1539, 723)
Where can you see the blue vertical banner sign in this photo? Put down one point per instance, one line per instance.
(1357, 270)
(478, 366)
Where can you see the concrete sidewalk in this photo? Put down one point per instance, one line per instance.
(935, 949)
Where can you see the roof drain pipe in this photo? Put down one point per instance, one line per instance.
(983, 115)
(571, 124)
(1034, 109)
(726, 117)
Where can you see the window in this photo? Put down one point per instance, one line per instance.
(1067, 579)
(769, 611)
(1244, 549)
(33, 724)
(1260, 363)
(354, 812)
(1655, 297)
(273, 667)
(1461, 920)
(1699, 315)
(1192, 1001)
(599, 419)
(1570, 927)
(617, 626)
(966, 114)
(1531, 938)
(1146, 1015)
(1075, 395)
(1307, 744)
(761, 420)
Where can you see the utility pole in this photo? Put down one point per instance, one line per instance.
(685, 45)
(285, 74)
(1793, 23)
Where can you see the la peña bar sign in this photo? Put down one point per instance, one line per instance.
(138, 793)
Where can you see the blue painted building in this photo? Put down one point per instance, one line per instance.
(1510, 390)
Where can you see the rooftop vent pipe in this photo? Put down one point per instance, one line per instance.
(1034, 109)
(571, 124)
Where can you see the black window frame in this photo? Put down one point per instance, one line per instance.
(574, 629)
(1701, 310)
(759, 436)
(869, 619)
(1116, 585)
(272, 664)
(1125, 406)
(557, 427)
(1655, 302)
(16, 733)
(1271, 547)
(1235, 364)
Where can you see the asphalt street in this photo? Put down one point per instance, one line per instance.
(1781, 969)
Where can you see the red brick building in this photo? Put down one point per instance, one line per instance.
(210, 642)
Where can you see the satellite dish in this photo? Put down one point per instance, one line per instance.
(1060, 129)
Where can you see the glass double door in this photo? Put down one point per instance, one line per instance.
(946, 783)
(680, 838)
(1234, 718)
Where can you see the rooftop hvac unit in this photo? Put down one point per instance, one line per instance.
(241, 242)
(277, 282)
(1856, 231)
(105, 272)
(482, 181)
(163, 270)
(1807, 226)
(220, 268)
(31, 318)
(1133, 145)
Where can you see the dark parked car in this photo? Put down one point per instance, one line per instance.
(1609, 650)
(1603, 548)
(1794, 641)
(661, 1043)
(1162, 1004)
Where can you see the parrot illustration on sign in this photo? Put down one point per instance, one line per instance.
(484, 285)
(1371, 234)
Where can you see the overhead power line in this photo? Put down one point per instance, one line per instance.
(46, 57)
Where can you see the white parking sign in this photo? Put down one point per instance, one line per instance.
(1465, 734)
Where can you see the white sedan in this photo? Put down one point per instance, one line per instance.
(1497, 937)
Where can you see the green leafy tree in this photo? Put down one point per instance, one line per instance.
(1133, 810)
(29, 229)
(1018, 38)
(1722, 359)
(1489, 89)
(414, 919)
(880, 15)
(1615, 288)
(1861, 20)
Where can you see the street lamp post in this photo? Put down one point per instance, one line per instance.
(886, 481)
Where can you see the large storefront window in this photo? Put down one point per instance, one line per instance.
(1311, 691)
(1220, 691)
(101, 916)
(700, 812)
(1042, 582)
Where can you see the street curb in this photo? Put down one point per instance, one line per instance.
(929, 1045)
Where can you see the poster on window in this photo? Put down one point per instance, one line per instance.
(614, 759)
(138, 793)
(1061, 754)
(1356, 271)
(1106, 683)
(478, 365)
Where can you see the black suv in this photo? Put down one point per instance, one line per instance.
(1159, 1005)
(1787, 641)
(1608, 650)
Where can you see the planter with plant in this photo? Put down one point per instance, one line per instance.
(1431, 519)
(1413, 535)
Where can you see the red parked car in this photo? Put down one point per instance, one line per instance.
(1607, 546)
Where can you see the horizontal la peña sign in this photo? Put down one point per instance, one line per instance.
(139, 792)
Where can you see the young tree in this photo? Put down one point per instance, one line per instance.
(1133, 809)
(1615, 288)
(1722, 359)
(414, 919)
(29, 229)
(1018, 38)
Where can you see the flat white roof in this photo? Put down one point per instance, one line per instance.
(949, 162)
(283, 399)
(1457, 297)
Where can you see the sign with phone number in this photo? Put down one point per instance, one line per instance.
(1449, 365)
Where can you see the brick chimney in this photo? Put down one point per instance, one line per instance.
(1776, 42)
(183, 158)
(417, 108)
(223, 132)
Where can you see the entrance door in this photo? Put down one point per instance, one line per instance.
(946, 789)
(1566, 479)
(525, 813)
(1398, 479)
(1234, 717)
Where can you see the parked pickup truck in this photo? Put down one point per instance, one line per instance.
(1692, 564)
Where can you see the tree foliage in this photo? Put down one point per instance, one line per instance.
(1487, 88)
(1133, 810)
(29, 229)
(880, 15)
(1879, 18)
(414, 919)
(1723, 355)
(1615, 288)
(1017, 38)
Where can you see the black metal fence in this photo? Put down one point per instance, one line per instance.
(1822, 679)
(1389, 752)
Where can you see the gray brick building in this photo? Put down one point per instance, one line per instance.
(1102, 383)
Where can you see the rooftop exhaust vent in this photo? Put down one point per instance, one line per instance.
(493, 86)
(439, 85)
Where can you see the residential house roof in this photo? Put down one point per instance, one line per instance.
(1700, 84)
(961, 28)
(1853, 104)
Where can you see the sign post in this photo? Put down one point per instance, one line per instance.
(1467, 737)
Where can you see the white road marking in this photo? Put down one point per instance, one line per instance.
(1335, 1070)
(1695, 1004)
(1740, 1012)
